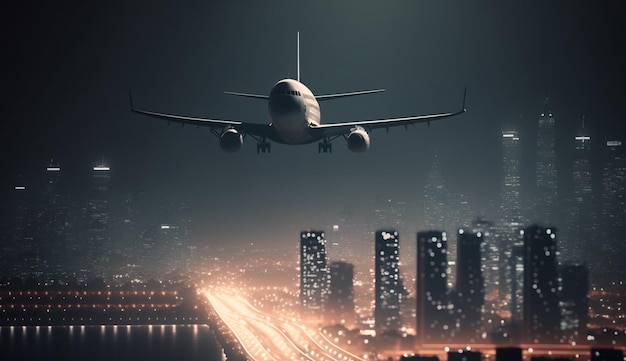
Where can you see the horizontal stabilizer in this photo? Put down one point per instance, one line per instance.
(350, 94)
(247, 95)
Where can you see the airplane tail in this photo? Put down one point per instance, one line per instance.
(298, 56)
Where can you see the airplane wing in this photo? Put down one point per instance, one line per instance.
(255, 129)
(332, 129)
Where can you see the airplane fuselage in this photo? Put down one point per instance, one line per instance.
(293, 109)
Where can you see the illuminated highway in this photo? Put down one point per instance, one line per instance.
(268, 337)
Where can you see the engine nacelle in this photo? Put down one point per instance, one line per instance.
(358, 140)
(231, 140)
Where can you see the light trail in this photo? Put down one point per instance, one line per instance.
(267, 337)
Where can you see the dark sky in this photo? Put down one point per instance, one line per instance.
(68, 66)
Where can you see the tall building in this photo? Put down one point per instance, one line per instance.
(545, 207)
(388, 293)
(510, 193)
(608, 255)
(340, 304)
(581, 216)
(470, 291)
(97, 246)
(574, 303)
(432, 311)
(506, 231)
(541, 323)
(314, 275)
(445, 209)
(54, 216)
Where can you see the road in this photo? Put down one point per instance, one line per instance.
(268, 337)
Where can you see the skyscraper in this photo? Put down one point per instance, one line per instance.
(470, 289)
(541, 323)
(546, 202)
(573, 302)
(432, 293)
(609, 254)
(340, 303)
(314, 275)
(97, 241)
(507, 229)
(388, 288)
(54, 216)
(581, 216)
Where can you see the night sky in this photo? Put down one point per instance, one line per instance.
(68, 67)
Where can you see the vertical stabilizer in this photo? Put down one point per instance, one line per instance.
(298, 57)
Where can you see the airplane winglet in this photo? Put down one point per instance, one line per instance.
(464, 94)
(130, 96)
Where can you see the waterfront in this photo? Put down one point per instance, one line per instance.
(146, 342)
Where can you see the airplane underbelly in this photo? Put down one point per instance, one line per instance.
(293, 129)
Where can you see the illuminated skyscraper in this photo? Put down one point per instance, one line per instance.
(546, 202)
(580, 235)
(470, 289)
(432, 312)
(573, 302)
(97, 241)
(610, 253)
(340, 304)
(507, 230)
(388, 288)
(541, 322)
(54, 216)
(314, 275)
(445, 209)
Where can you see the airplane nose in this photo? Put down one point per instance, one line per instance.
(283, 104)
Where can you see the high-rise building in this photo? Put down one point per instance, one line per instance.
(573, 302)
(608, 255)
(432, 312)
(580, 231)
(507, 230)
(444, 208)
(470, 292)
(388, 291)
(541, 323)
(510, 198)
(340, 303)
(97, 245)
(314, 275)
(545, 207)
(54, 216)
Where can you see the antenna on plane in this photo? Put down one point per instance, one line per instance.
(298, 56)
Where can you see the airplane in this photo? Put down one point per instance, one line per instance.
(296, 119)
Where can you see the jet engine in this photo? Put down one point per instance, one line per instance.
(358, 140)
(231, 140)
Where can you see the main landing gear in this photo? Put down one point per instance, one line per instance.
(325, 146)
(263, 146)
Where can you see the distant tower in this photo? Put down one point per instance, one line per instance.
(609, 254)
(445, 209)
(470, 289)
(54, 216)
(388, 290)
(574, 302)
(340, 303)
(314, 275)
(432, 292)
(546, 201)
(541, 322)
(507, 230)
(97, 241)
(575, 246)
